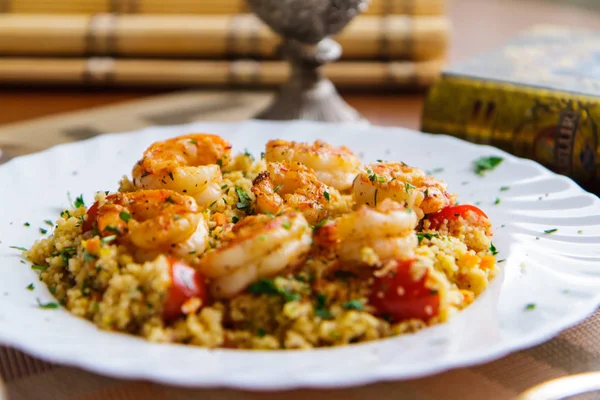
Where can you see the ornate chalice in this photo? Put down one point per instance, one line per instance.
(306, 27)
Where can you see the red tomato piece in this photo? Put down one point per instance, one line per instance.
(186, 283)
(451, 213)
(399, 297)
(91, 217)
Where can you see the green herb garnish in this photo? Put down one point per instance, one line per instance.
(261, 332)
(321, 307)
(530, 306)
(497, 201)
(486, 164)
(277, 188)
(43, 231)
(79, 202)
(422, 236)
(18, 248)
(125, 216)
(108, 239)
(353, 305)
(244, 202)
(247, 154)
(30, 287)
(39, 267)
(504, 188)
(220, 162)
(549, 231)
(193, 141)
(234, 219)
(27, 224)
(326, 194)
(493, 249)
(287, 225)
(112, 229)
(268, 286)
(47, 306)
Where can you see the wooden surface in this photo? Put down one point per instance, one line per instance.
(478, 25)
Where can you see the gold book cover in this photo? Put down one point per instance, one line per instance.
(536, 97)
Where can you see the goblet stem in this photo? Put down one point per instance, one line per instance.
(308, 94)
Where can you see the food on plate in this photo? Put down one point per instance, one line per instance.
(305, 247)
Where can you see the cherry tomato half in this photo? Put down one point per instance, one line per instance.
(399, 297)
(90, 219)
(186, 283)
(451, 213)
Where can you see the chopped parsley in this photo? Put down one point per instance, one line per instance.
(125, 216)
(261, 332)
(497, 201)
(530, 307)
(549, 231)
(375, 197)
(422, 236)
(27, 224)
(89, 257)
(220, 162)
(18, 248)
(287, 225)
(234, 219)
(39, 267)
(193, 141)
(580, 231)
(177, 217)
(321, 307)
(48, 306)
(493, 249)
(48, 222)
(43, 231)
(321, 223)
(353, 305)
(486, 164)
(108, 239)
(224, 187)
(408, 187)
(112, 229)
(501, 261)
(192, 252)
(277, 188)
(247, 154)
(268, 286)
(244, 202)
(504, 188)
(79, 201)
(426, 192)
(326, 194)
(212, 204)
(262, 238)
(30, 287)
(262, 155)
(435, 171)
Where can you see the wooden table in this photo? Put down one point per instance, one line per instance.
(478, 25)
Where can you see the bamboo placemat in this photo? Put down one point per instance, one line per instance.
(573, 351)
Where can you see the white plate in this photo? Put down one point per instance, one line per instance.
(558, 272)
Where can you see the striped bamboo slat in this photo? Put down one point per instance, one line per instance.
(219, 36)
(184, 73)
(376, 7)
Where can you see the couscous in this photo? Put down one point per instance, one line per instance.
(301, 247)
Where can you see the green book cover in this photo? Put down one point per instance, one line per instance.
(538, 97)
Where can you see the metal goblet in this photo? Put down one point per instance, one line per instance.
(306, 27)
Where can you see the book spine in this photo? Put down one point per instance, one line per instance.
(100, 71)
(557, 129)
(220, 36)
(376, 7)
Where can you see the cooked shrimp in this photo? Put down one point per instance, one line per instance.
(335, 166)
(375, 235)
(293, 186)
(259, 246)
(153, 221)
(187, 164)
(404, 184)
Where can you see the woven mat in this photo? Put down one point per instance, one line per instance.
(575, 350)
